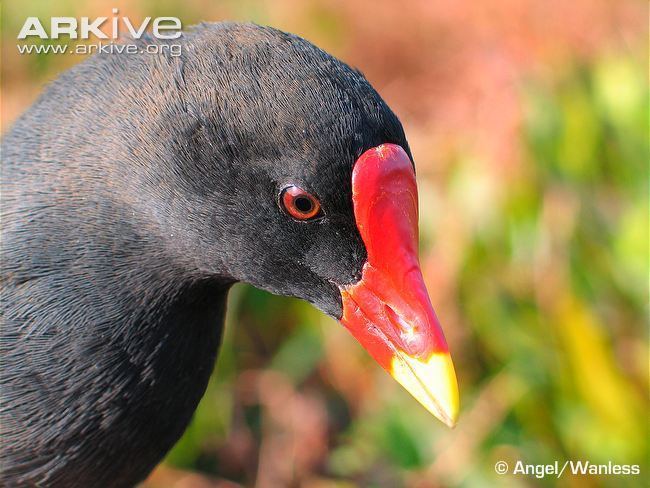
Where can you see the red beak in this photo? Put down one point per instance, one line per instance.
(388, 311)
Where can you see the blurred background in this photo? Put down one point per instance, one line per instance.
(528, 122)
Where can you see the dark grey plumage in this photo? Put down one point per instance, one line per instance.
(136, 190)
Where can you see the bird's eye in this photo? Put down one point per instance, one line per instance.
(300, 204)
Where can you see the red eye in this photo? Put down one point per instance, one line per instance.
(300, 204)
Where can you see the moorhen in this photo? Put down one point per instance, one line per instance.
(138, 188)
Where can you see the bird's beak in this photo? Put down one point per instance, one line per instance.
(388, 311)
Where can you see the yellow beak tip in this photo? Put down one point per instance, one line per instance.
(432, 382)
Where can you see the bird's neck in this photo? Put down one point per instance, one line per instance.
(159, 365)
(137, 361)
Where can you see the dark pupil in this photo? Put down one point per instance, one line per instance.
(303, 204)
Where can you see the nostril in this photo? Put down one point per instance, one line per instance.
(397, 320)
(408, 332)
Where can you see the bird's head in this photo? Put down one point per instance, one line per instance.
(292, 174)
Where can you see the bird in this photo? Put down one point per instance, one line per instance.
(138, 188)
